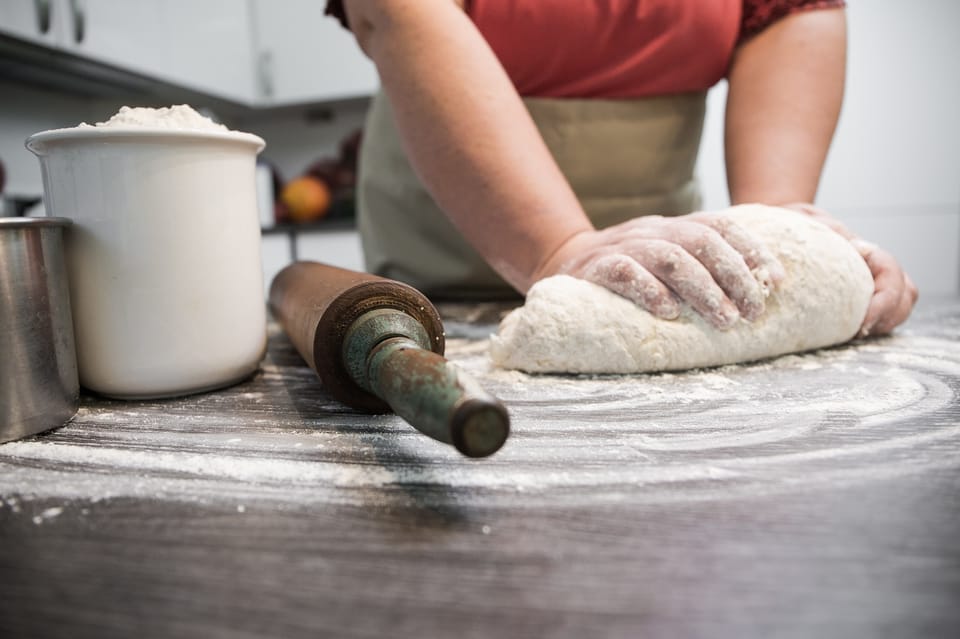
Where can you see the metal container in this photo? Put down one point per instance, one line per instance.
(39, 389)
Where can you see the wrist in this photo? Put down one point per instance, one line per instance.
(560, 258)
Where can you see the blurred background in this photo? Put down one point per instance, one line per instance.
(286, 72)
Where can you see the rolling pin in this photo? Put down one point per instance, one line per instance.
(377, 345)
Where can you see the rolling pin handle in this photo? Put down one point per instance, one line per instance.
(437, 399)
(387, 353)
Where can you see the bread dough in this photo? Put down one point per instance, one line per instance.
(569, 325)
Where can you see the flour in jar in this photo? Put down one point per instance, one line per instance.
(569, 325)
(163, 255)
(179, 117)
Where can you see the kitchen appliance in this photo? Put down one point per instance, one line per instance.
(377, 345)
(38, 369)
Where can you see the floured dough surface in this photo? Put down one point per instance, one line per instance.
(569, 325)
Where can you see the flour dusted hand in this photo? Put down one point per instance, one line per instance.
(705, 260)
(894, 293)
(572, 325)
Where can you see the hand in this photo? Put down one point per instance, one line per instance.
(703, 259)
(894, 292)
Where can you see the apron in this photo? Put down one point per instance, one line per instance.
(623, 158)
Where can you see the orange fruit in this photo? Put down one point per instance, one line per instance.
(306, 198)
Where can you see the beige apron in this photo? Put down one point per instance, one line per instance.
(623, 158)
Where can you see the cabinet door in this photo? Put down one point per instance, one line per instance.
(305, 56)
(123, 34)
(205, 46)
(39, 21)
(209, 47)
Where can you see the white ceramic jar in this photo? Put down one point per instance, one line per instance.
(163, 255)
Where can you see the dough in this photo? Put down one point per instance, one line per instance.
(569, 325)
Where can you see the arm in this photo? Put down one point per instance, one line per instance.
(786, 89)
(479, 154)
(467, 133)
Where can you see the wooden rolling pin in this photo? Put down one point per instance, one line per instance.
(377, 345)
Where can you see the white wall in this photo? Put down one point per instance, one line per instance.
(893, 174)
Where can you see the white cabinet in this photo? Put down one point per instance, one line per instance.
(339, 247)
(203, 46)
(259, 53)
(305, 56)
(336, 246)
(38, 21)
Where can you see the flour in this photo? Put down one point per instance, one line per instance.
(48, 514)
(570, 325)
(180, 117)
(800, 421)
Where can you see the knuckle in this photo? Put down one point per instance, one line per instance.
(721, 224)
(668, 256)
(609, 268)
(618, 270)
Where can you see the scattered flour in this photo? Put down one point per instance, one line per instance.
(871, 410)
(678, 435)
(48, 514)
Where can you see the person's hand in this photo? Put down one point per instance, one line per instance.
(703, 259)
(894, 292)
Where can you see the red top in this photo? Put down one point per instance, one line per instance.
(619, 48)
(612, 48)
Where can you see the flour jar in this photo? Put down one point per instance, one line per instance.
(163, 256)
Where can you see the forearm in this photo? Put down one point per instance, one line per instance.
(786, 89)
(468, 135)
(785, 93)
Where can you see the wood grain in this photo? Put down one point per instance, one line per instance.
(814, 495)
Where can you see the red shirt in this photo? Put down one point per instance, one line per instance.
(610, 48)
(619, 48)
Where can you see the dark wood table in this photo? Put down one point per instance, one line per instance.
(809, 496)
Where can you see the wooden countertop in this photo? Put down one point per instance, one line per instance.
(813, 495)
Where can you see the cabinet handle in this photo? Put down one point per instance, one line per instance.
(79, 20)
(265, 73)
(42, 9)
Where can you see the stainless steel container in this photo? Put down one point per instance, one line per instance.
(38, 366)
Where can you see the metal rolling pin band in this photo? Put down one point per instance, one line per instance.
(372, 328)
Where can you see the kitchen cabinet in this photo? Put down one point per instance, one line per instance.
(204, 46)
(305, 56)
(36, 21)
(201, 46)
(256, 53)
(337, 244)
